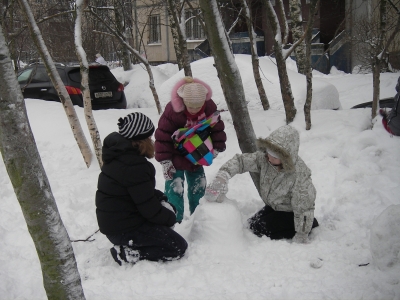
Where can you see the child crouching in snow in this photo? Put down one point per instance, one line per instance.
(133, 215)
(285, 186)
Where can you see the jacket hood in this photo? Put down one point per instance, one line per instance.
(177, 101)
(115, 145)
(285, 142)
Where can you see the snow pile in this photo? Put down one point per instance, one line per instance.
(218, 225)
(325, 95)
(385, 239)
(136, 81)
(355, 168)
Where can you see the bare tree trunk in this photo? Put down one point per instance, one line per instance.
(254, 57)
(139, 58)
(58, 84)
(298, 32)
(281, 12)
(286, 90)
(376, 72)
(307, 105)
(87, 101)
(231, 81)
(61, 278)
(177, 24)
(122, 28)
(377, 59)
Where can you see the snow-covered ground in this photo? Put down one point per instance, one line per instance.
(355, 167)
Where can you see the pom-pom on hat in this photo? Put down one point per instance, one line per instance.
(135, 126)
(193, 93)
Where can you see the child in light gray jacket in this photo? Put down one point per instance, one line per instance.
(285, 186)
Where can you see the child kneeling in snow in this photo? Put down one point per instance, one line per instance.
(133, 215)
(285, 186)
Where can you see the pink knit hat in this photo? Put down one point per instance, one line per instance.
(193, 93)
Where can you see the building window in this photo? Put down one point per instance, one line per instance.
(154, 29)
(194, 30)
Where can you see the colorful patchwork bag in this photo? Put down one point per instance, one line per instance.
(195, 142)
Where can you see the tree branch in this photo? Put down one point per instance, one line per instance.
(22, 29)
(87, 239)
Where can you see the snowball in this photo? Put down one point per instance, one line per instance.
(385, 238)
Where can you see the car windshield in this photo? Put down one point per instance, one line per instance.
(24, 76)
(96, 75)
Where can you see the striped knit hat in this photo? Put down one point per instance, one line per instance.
(135, 126)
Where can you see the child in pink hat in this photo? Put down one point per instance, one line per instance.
(190, 104)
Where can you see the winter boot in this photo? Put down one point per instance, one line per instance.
(114, 254)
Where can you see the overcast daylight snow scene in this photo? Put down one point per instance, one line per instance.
(355, 164)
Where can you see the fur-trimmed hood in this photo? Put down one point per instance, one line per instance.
(285, 142)
(177, 101)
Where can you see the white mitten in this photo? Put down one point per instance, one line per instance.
(168, 169)
(215, 154)
(218, 187)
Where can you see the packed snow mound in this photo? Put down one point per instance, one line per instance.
(138, 93)
(385, 239)
(217, 224)
(325, 95)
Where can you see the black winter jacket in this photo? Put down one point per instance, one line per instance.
(394, 114)
(126, 196)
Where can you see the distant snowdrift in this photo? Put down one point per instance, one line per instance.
(325, 95)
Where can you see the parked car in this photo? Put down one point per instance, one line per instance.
(383, 103)
(105, 90)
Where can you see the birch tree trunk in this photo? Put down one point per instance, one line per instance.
(178, 30)
(138, 57)
(286, 90)
(61, 278)
(84, 66)
(58, 84)
(298, 32)
(254, 57)
(307, 105)
(230, 79)
(377, 59)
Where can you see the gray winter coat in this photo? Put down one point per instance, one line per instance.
(290, 189)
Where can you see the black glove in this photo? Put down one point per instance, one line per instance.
(160, 195)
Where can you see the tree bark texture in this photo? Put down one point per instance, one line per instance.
(230, 79)
(281, 12)
(61, 278)
(376, 72)
(138, 57)
(307, 105)
(286, 90)
(84, 68)
(179, 38)
(377, 60)
(122, 28)
(58, 84)
(254, 57)
(297, 32)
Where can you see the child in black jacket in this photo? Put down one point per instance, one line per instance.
(133, 215)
